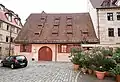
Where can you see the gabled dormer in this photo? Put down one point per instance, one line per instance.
(106, 3)
(56, 21)
(9, 15)
(2, 7)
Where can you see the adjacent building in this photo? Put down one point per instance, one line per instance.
(51, 36)
(10, 26)
(105, 15)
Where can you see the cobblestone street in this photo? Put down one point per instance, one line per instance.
(39, 72)
(44, 72)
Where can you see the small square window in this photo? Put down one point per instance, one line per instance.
(110, 16)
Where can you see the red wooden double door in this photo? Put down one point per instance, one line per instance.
(45, 54)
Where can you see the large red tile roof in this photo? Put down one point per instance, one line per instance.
(34, 32)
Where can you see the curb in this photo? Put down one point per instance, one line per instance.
(76, 78)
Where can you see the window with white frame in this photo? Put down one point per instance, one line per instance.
(110, 16)
(0, 37)
(0, 24)
(111, 32)
(119, 32)
(64, 48)
(118, 15)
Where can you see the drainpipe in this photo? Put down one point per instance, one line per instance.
(10, 14)
(56, 52)
(98, 24)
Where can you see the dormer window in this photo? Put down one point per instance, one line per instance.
(2, 7)
(56, 21)
(40, 25)
(37, 33)
(43, 19)
(17, 21)
(9, 18)
(69, 20)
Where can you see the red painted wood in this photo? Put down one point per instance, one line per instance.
(21, 48)
(45, 54)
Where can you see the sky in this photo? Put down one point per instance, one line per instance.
(25, 7)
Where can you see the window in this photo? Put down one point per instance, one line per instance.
(111, 32)
(56, 21)
(55, 30)
(66, 48)
(7, 38)
(0, 52)
(17, 21)
(9, 18)
(118, 31)
(1, 8)
(11, 39)
(13, 29)
(0, 37)
(118, 15)
(37, 33)
(43, 19)
(7, 27)
(0, 24)
(69, 21)
(18, 30)
(63, 48)
(40, 26)
(25, 48)
(110, 16)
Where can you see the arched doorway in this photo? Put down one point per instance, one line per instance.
(45, 54)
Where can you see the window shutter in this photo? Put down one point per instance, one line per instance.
(27, 48)
(21, 48)
(59, 48)
(30, 47)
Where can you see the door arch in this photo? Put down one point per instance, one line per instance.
(45, 54)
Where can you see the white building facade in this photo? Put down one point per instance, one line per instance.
(105, 15)
(10, 25)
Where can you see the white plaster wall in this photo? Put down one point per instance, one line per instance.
(5, 32)
(93, 13)
(63, 57)
(105, 24)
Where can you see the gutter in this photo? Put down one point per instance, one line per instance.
(98, 25)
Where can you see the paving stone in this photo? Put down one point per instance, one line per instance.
(43, 72)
